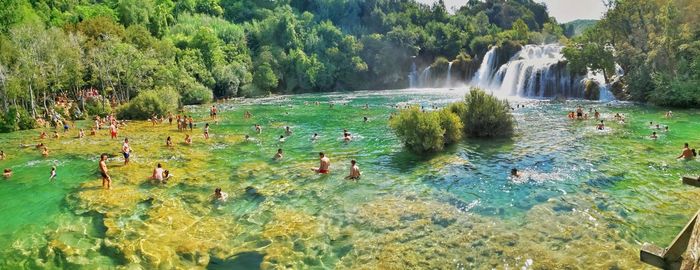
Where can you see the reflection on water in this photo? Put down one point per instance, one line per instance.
(585, 198)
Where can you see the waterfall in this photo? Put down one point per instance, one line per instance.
(425, 77)
(535, 71)
(448, 81)
(413, 76)
(482, 78)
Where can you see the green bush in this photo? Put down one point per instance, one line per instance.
(149, 103)
(95, 106)
(419, 131)
(196, 94)
(452, 125)
(486, 115)
(16, 118)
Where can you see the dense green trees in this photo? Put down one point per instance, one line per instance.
(206, 49)
(655, 42)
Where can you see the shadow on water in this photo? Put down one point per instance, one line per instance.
(243, 260)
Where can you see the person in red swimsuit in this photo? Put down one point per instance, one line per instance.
(325, 164)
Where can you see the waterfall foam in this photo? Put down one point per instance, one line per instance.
(535, 71)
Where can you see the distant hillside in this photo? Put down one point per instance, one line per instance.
(575, 28)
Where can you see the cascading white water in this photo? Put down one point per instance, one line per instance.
(482, 78)
(413, 76)
(425, 77)
(448, 81)
(535, 71)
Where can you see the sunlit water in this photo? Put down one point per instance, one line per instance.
(587, 199)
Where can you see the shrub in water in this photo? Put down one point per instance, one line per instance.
(452, 125)
(195, 93)
(486, 115)
(149, 103)
(419, 131)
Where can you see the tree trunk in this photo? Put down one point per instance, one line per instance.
(31, 99)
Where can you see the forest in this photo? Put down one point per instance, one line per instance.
(124, 55)
(656, 43)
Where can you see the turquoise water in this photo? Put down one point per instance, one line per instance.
(588, 198)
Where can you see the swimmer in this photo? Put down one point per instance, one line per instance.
(39, 146)
(258, 128)
(687, 153)
(651, 124)
(601, 126)
(158, 173)
(2, 155)
(596, 115)
(281, 138)
(42, 135)
(666, 129)
(278, 155)
(7, 173)
(45, 151)
(287, 131)
(618, 116)
(366, 106)
(514, 173)
(657, 126)
(126, 151)
(166, 176)
(365, 119)
(55, 135)
(206, 130)
(585, 116)
(188, 139)
(653, 136)
(52, 178)
(325, 164)
(247, 138)
(81, 134)
(169, 142)
(314, 137)
(106, 180)
(219, 195)
(579, 112)
(669, 114)
(346, 135)
(355, 172)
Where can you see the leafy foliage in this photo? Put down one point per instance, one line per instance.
(487, 116)
(149, 103)
(419, 131)
(655, 42)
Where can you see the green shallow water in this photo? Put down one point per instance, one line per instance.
(588, 198)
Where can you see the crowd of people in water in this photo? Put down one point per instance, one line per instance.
(185, 123)
(580, 113)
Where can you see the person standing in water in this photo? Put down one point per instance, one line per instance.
(52, 177)
(354, 171)
(188, 139)
(113, 131)
(325, 164)
(687, 153)
(653, 136)
(106, 180)
(206, 131)
(126, 151)
(169, 142)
